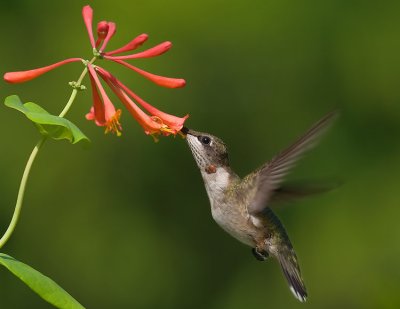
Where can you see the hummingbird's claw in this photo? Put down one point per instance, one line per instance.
(260, 255)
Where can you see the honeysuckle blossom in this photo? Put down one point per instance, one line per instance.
(103, 112)
(24, 76)
(157, 122)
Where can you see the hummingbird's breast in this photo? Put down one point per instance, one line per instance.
(227, 208)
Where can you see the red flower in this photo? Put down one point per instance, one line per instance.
(158, 123)
(103, 111)
(105, 30)
(24, 76)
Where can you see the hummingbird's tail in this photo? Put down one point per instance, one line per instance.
(291, 270)
(281, 248)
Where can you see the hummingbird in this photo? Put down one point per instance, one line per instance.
(241, 206)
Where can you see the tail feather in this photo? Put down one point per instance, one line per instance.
(292, 273)
(279, 246)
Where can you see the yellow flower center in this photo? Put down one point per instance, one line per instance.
(164, 127)
(113, 124)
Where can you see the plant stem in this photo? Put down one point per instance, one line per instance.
(21, 192)
(25, 175)
(69, 103)
(75, 91)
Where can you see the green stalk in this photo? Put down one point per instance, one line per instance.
(21, 193)
(25, 175)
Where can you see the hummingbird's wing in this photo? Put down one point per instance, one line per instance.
(295, 191)
(269, 176)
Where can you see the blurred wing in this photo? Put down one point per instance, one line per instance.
(291, 192)
(269, 177)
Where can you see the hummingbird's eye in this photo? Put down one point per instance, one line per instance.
(205, 140)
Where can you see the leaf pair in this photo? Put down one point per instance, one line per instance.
(48, 125)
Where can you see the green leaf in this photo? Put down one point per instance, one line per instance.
(48, 125)
(39, 283)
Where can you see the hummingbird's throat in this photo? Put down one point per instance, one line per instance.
(211, 169)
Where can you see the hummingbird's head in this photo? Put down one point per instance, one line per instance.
(209, 151)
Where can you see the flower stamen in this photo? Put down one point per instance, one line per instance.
(113, 125)
(164, 128)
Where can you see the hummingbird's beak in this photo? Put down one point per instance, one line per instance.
(185, 131)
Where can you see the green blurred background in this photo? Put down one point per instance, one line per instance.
(127, 224)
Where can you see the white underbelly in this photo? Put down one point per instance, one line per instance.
(227, 216)
(233, 226)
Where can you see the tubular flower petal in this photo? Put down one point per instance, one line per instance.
(132, 45)
(102, 30)
(24, 76)
(111, 116)
(149, 124)
(151, 52)
(90, 115)
(97, 112)
(174, 122)
(167, 82)
(87, 14)
(170, 124)
(112, 28)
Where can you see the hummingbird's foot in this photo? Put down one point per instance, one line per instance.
(260, 255)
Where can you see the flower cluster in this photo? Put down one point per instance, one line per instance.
(103, 111)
